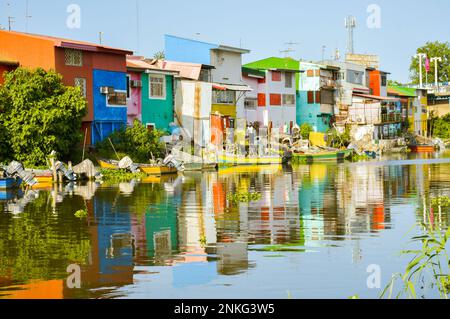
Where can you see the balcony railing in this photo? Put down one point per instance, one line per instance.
(391, 118)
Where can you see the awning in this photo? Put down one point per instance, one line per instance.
(375, 97)
(219, 87)
(241, 88)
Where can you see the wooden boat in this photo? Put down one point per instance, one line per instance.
(422, 148)
(8, 183)
(322, 156)
(157, 170)
(108, 164)
(227, 160)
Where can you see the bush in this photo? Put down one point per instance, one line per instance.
(38, 114)
(305, 130)
(441, 127)
(137, 142)
(338, 140)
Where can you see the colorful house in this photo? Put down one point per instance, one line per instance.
(99, 71)
(151, 94)
(406, 98)
(272, 101)
(316, 96)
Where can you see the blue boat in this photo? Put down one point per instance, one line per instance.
(8, 183)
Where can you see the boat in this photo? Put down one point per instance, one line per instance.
(227, 160)
(422, 148)
(108, 164)
(157, 170)
(8, 183)
(322, 156)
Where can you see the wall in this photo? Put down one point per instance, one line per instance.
(250, 114)
(186, 50)
(107, 119)
(30, 52)
(157, 111)
(228, 67)
(134, 103)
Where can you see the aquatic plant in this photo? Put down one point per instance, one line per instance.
(429, 264)
(120, 175)
(243, 197)
(82, 213)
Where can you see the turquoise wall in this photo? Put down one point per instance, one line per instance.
(160, 112)
(308, 113)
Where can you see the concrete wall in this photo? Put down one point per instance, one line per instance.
(228, 67)
(134, 102)
(186, 50)
(157, 111)
(107, 119)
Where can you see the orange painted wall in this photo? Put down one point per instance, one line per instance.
(375, 82)
(29, 52)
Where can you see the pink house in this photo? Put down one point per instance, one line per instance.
(134, 89)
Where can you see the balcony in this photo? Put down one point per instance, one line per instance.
(391, 118)
(327, 83)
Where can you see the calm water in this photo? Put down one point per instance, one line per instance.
(313, 234)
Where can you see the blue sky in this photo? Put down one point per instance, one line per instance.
(261, 26)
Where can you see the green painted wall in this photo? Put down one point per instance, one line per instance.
(157, 111)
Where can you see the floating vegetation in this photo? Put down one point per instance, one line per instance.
(82, 213)
(244, 197)
(119, 175)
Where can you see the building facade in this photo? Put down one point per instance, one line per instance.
(99, 71)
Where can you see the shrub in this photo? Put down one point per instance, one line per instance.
(137, 142)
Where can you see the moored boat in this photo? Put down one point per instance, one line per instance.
(8, 183)
(323, 156)
(157, 170)
(422, 148)
(227, 160)
(108, 164)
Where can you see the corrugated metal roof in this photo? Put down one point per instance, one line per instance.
(376, 97)
(186, 70)
(402, 91)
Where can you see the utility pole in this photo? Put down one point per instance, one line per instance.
(350, 24)
(436, 60)
(421, 56)
(27, 16)
(10, 22)
(323, 52)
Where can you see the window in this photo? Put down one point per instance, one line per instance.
(327, 97)
(81, 83)
(224, 97)
(261, 100)
(151, 127)
(275, 99)
(310, 97)
(355, 77)
(288, 80)
(310, 73)
(276, 76)
(317, 96)
(289, 99)
(251, 103)
(205, 75)
(117, 98)
(317, 73)
(157, 87)
(73, 57)
(383, 80)
(128, 86)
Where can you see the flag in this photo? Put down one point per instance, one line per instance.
(427, 64)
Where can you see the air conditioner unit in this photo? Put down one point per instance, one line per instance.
(136, 83)
(106, 90)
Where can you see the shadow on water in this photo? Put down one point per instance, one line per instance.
(181, 237)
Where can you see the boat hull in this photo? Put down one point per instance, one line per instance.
(322, 157)
(228, 160)
(108, 164)
(158, 170)
(8, 183)
(423, 149)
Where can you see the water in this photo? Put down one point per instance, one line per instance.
(313, 233)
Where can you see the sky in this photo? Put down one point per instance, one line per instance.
(262, 26)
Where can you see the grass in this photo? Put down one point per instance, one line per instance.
(428, 264)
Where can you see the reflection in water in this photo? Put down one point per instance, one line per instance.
(180, 236)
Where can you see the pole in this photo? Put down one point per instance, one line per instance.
(84, 144)
(436, 60)
(420, 56)
(113, 148)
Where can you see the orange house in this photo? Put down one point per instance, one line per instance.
(76, 61)
(378, 82)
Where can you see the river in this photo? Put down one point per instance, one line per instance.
(315, 232)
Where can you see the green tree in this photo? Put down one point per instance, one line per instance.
(305, 130)
(136, 141)
(394, 83)
(432, 49)
(160, 55)
(39, 114)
